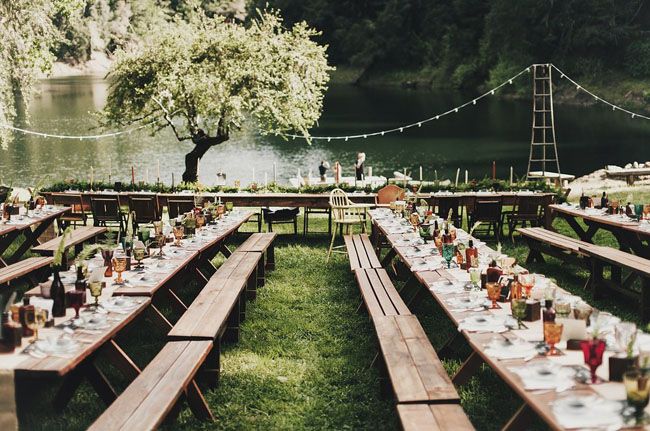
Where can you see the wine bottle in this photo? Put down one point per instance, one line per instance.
(25, 314)
(57, 291)
(471, 255)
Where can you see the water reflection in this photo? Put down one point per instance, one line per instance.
(497, 129)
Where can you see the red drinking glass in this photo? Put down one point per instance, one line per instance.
(593, 352)
(75, 300)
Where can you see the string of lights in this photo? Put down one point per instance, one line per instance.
(399, 129)
(79, 137)
(598, 98)
(418, 123)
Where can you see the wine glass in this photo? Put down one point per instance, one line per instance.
(179, 231)
(552, 336)
(95, 287)
(108, 257)
(229, 206)
(494, 293)
(637, 388)
(448, 251)
(160, 241)
(200, 220)
(144, 235)
(475, 276)
(424, 233)
(562, 307)
(528, 282)
(139, 253)
(158, 227)
(36, 321)
(119, 264)
(592, 351)
(75, 300)
(518, 307)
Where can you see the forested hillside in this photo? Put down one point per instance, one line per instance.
(465, 43)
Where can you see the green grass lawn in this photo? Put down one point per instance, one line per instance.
(303, 360)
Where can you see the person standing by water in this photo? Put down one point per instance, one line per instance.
(322, 169)
(358, 166)
(337, 172)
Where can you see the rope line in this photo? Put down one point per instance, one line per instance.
(80, 137)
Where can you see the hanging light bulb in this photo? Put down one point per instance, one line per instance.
(346, 139)
(456, 110)
(492, 92)
(633, 115)
(365, 136)
(510, 81)
(382, 133)
(329, 139)
(401, 129)
(437, 116)
(419, 124)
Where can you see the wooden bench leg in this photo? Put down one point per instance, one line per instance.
(232, 328)
(597, 279)
(251, 286)
(209, 373)
(197, 403)
(270, 257)
(224, 250)
(388, 258)
(261, 276)
(645, 299)
(467, 369)
(451, 346)
(177, 304)
(242, 306)
(520, 420)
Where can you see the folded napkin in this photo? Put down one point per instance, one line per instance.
(545, 375)
(426, 265)
(503, 349)
(589, 411)
(483, 323)
(445, 287)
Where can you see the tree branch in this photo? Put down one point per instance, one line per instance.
(168, 118)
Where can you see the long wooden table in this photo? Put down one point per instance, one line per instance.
(538, 402)
(20, 368)
(30, 227)
(632, 236)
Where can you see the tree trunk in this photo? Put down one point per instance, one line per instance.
(202, 143)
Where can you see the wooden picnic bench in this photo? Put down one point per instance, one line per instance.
(76, 239)
(26, 268)
(154, 394)
(543, 241)
(361, 252)
(219, 308)
(415, 372)
(636, 266)
(261, 243)
(431, 417)
(379, 294)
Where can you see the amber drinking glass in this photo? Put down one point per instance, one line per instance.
(528, 282)
(119, 265)
(160, 241)
(200, 220)
(36, 321)
(229, 206)
(95, 288)
(552, 336)
(139, 252)
(179, 231)
(494, 293)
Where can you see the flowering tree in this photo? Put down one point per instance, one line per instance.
(204, 78)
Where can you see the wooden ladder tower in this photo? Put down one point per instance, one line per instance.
(543, 162)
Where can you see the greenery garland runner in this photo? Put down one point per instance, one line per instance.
(472, 186)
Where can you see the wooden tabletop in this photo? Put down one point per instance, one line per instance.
(24, 222)
(606, 220)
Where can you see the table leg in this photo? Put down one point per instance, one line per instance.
(5, 243)
(177, 304)
(388, 258)
(65, 393)
(197, 403)
(31, 238)
(467, 369)
(584, 235)
(100, 383)
(520, 420)
(158, 318)
(121, 360)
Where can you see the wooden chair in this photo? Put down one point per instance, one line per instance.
(488, 212)
(389, 193)
(179, 205)
(106, 210)
(446, 203)
(146, 209)
(527, 209)
(77, 213)
(281, 215)
(344, 213)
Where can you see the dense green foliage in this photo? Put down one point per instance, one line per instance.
(464, 43)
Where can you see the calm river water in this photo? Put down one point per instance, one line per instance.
(496, 129)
